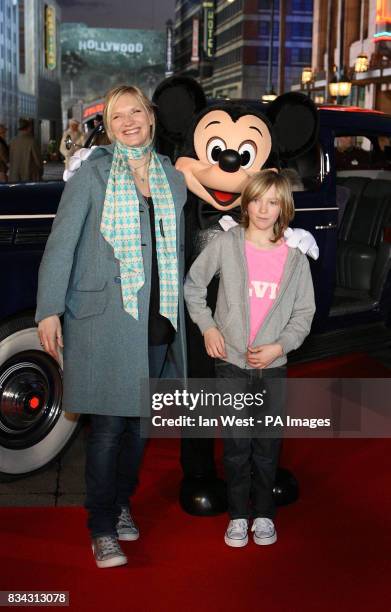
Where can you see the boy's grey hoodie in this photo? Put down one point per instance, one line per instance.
(288, 321)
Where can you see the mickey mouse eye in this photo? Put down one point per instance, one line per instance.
(214, 148)
(248, 153)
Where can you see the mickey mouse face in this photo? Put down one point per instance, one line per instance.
(228, 153)
(225, 144)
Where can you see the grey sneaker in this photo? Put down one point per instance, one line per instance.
(107, 552)
(126, 527)
(236, 534)
(264, 531)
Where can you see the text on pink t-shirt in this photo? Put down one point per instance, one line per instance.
(265, 268)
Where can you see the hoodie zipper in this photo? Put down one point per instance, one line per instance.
(245, 274)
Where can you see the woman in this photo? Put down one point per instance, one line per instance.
(112, 266)
(77, 138)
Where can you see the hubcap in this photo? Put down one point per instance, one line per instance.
(30, 398)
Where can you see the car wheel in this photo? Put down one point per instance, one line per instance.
(33, 428)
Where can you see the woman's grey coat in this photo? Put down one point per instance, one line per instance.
(105, 349)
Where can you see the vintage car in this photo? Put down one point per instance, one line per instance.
(342, 195)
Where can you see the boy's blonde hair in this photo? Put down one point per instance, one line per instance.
(113, 96)
(257, 186)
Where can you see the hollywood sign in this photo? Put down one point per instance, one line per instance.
(107, 47)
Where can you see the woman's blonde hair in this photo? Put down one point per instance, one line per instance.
(113, 96)
(257, 186)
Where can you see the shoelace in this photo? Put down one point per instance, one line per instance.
(126, 518)
(238, 524)
(263, 524)
(108, 545)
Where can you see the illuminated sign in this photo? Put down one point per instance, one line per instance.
(209, 25)
(169, 42)
(383, 26)
(110, 46)
(381, 36)
(50, 38)
(94, 109)
(195, 38)
(383, 11)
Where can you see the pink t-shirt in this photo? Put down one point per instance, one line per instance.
(265, 268)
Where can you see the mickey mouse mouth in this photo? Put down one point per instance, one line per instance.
(224, 198)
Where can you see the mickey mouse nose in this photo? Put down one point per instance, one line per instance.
(229, 160)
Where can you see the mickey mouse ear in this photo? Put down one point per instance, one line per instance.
(296, 124)
(177, 100)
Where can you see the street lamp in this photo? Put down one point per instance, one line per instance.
(307, 78)
(269, 96)
(340, 86)
(361, 63)
(319, 99)
(306, 75)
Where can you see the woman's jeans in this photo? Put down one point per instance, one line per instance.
(114, 453)
(250, 463)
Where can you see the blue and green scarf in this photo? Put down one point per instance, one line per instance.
(120, 226)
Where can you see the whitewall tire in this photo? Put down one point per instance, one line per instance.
(33, 428)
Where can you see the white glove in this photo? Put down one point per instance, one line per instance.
(227, 222)
(300, 238)
(76, 161)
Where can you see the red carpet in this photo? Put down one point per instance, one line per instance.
(333, 550)
(352, 365)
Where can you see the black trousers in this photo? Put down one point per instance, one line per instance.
(250, 463)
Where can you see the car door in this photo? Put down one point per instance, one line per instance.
(316, 211)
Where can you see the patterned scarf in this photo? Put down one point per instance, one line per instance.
(120, 226)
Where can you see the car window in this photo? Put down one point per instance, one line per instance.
(305, 171)
(363, 155)
(53, 170)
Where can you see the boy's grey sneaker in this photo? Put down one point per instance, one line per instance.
(126, 527)
(236, 534)
(264, 531)
(107, 552)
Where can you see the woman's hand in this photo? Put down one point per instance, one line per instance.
(214, 343)
(262, 356)
(50, 335)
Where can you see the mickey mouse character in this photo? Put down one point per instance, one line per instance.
(222, 146)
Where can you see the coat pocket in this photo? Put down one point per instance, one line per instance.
(83, 304)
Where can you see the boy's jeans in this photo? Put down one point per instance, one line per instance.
(114, 453)
(250, 463)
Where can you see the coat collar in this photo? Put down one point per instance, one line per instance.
(105, 156)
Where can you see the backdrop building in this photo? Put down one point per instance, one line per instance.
(9, 63)
(227, 44)
(30, 69)
(352, 41)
